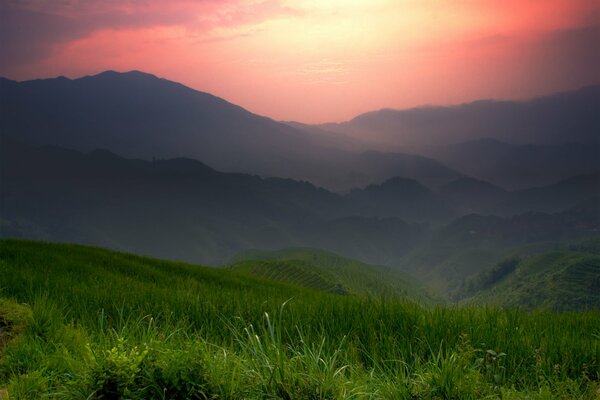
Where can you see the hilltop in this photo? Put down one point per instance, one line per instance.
(139, 115)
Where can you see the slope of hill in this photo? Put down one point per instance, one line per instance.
(179, 208)
(517, 167)
(474, 243)
(470, 195)
(207, 216)
(559, 281)
(93, 323)
(138, 115)
(555, 119)
(323, 270)
(552, 198)
(400, 197)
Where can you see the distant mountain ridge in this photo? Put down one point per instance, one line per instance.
(517, 166)
(179, 208)
(400, 197)
(138, 115)
(470, 195)
(559, 118)
(137, 163)
(182, 209)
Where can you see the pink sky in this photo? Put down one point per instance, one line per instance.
(314, 60)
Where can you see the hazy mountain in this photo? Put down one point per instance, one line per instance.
(138, 115)
(474, 243)
(555, 119)
(399, 197)
(553, 198)
(470, 195)
(363, 167)
(369, 239)
(179, 208)
(517, 167)
(182, 209)
(330, 139)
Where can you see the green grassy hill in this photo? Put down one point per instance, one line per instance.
(322, 270)
(475, 243)
(560, 280)
(86, 323)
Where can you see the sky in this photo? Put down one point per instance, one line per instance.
(314, 60)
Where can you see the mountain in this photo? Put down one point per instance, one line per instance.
(470, 195)
(183, 209)
(399, 197)
(138, 115)
(180, 208)
(517, 166)
(554, 119)
(474, 243)
(562, 280)
(363, 167)
(552, 198)
(322, 270)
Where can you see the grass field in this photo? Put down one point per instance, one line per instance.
(322, 270)
(558, 281)
(85, 323)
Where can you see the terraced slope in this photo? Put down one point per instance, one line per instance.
(322, 270)
(294, 272)
(558, 281)
(96, 324)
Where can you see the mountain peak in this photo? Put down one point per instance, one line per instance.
(132, 73)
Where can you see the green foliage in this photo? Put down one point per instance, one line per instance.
(488, 278)
(559, 281)
(14, 319)
(111, 325)
(325, 271)
(115, 372)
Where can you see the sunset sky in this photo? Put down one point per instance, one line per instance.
(314, 60)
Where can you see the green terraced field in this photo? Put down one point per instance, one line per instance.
(85, 323)
(322, 270)
(560, 280)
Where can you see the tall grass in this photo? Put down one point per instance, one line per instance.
(111, 325)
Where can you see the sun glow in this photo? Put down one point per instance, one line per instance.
(313, 60)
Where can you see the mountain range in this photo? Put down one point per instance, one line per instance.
(514, 145)
(517, 166)
(183, 209)
(567, 117)
(138, 115)
(136, 163)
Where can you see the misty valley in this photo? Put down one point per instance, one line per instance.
(157, 242)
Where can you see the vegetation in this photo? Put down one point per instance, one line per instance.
(322, 270)
(559, 280)
(489, 277)
(106, 325)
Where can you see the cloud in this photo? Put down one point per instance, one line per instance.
(32, 29)
(346, 56)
